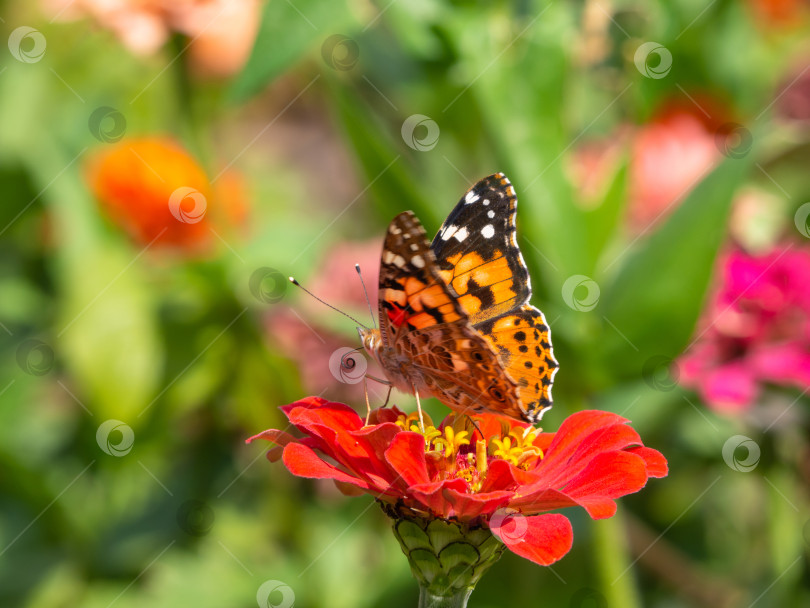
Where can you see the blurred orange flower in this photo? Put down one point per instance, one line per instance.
(156, 191)
(221, 32)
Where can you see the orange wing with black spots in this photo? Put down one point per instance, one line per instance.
(479, 258)
(455, 321)
(523, 341)
(425, 342)
(477, 252)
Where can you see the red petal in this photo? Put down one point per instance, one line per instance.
(500, 476)
(406, 455)
(542, 539)
(278, 437)
(468, 506)
(542, 499)
(433, 497)
(303, 462)
(556, 468)
(656, 463)
(606, 477)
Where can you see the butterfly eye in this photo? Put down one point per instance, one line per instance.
(496, 394)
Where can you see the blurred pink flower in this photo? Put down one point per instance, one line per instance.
(220, 32)
(756, 329)
(668, 157)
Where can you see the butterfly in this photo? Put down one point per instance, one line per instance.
(454, 314)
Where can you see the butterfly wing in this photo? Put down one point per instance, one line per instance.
(477, 253)
(422, 320)
(478, 256)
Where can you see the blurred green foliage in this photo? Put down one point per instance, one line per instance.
(178, 349)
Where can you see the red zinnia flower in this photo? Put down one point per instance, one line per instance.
(507, 481)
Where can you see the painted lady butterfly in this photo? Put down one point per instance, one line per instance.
(455, 318)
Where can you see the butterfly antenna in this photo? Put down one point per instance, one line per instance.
(365, 292)
(297, 284)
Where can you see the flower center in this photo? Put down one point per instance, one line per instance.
(453, 456)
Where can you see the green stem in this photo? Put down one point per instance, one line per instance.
(617, 580)
(428, 600)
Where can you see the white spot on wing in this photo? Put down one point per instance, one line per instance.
(470, 197)
(461, 234)
(488, 231)
(418, 261)
(486, 202)
(490, 214)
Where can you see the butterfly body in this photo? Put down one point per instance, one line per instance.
(455, 322)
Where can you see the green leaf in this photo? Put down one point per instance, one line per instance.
(651, 307)
(602, 220)
(287, 31)
(106, 332)
(391, 184)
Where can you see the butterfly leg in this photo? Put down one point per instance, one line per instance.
(387, 396)
(419, 409)
(368, 405)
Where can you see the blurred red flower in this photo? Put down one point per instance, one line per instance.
(668, 157)
(756, 329)
(507, 481)
(156, 191)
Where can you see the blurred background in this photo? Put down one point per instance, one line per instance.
(166, 165)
